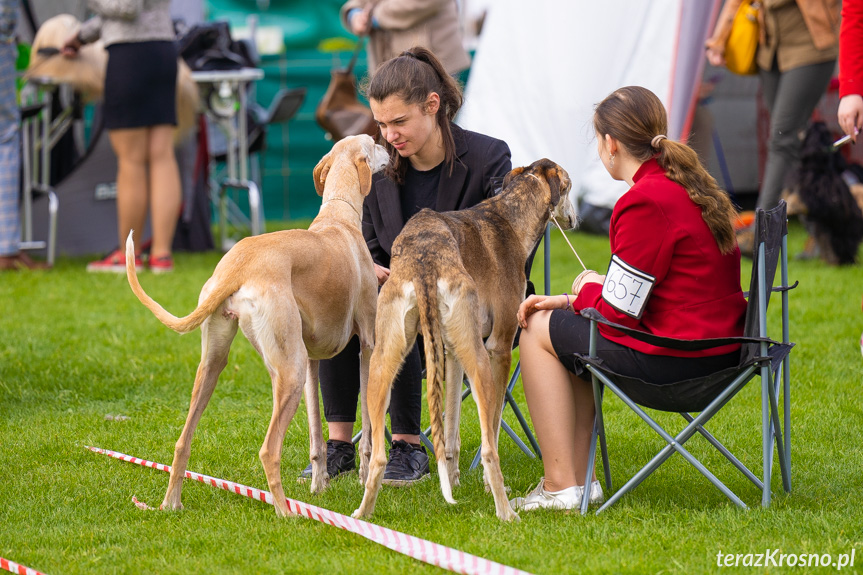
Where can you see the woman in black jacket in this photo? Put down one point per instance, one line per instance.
(433, 164)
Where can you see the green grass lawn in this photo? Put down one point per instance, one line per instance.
(77, 347)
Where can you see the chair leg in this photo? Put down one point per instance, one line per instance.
(724, 451)
(516, 439)
(786, 362)
(786, 398)
(766, 437)
(509, 400)
(777, 432)
(674, 443)
(591, 461)
(521, 419)
(53, 206)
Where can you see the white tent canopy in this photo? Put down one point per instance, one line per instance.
(541, 67)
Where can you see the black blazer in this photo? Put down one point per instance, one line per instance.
(481, 162)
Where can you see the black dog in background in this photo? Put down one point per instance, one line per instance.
(821, 196)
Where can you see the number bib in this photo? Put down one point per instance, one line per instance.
(626, 288)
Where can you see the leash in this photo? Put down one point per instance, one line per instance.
(551, 213)
(566, 238)
(421, 549)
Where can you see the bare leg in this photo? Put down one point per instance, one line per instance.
(341, 430)
(165, 192)
(560, 404)
(130, 147)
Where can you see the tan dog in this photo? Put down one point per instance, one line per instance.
(86, 72)
(458, 277)
(299, 296)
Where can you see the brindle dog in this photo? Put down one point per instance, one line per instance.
(459, 277)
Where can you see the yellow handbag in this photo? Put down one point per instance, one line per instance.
(742, 43)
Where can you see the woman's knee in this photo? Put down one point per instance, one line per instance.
(161, 144)
(536, 334)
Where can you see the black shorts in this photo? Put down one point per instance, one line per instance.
(570, 334)
(141, 85)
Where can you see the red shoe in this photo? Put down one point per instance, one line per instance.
(115, 262)
(161, 264)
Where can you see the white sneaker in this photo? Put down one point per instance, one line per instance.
(539, 498)
(569, 498)
(596, 496)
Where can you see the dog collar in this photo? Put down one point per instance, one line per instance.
(345, 201)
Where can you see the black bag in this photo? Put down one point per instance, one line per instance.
(209, 46)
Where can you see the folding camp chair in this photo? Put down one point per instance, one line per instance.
(759, 356)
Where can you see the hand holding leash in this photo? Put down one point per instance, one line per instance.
(586, 277)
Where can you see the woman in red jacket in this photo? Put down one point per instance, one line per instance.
(851, 68)
(672, 240)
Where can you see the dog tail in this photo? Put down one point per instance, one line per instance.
(430, 323)
(182, 324)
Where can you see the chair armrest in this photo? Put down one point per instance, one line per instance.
(681, 344)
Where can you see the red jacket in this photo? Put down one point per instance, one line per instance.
(667, 275)
(851, 48)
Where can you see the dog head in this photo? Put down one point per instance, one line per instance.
(559, 185)
(85, 73)
(360, 151)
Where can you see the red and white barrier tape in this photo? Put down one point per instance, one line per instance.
(426, 551)
(13, 567)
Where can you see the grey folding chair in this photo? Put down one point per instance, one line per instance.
(760, 356)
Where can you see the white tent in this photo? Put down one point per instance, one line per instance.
(541, 66)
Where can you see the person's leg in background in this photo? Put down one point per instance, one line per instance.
(10, 224)
(11, 257)
(131, 148)
(164, 194)
(790, 98)
(408, 460)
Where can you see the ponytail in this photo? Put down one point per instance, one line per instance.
(681, 165)
(412, 76)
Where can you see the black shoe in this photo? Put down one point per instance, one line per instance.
(407, 465)
(341, 458)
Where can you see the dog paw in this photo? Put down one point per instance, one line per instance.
(165, 506)
(357, 514)
(319, 486)
(508, 515)
(284, 512)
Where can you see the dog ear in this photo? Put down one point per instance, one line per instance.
(513, 173)
(552, 176)
(320, 173)
(365, 173)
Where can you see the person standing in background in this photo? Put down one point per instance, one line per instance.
(850, 112)
(140, 116)
(394, 26)
(11, 256)
(797, 51)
